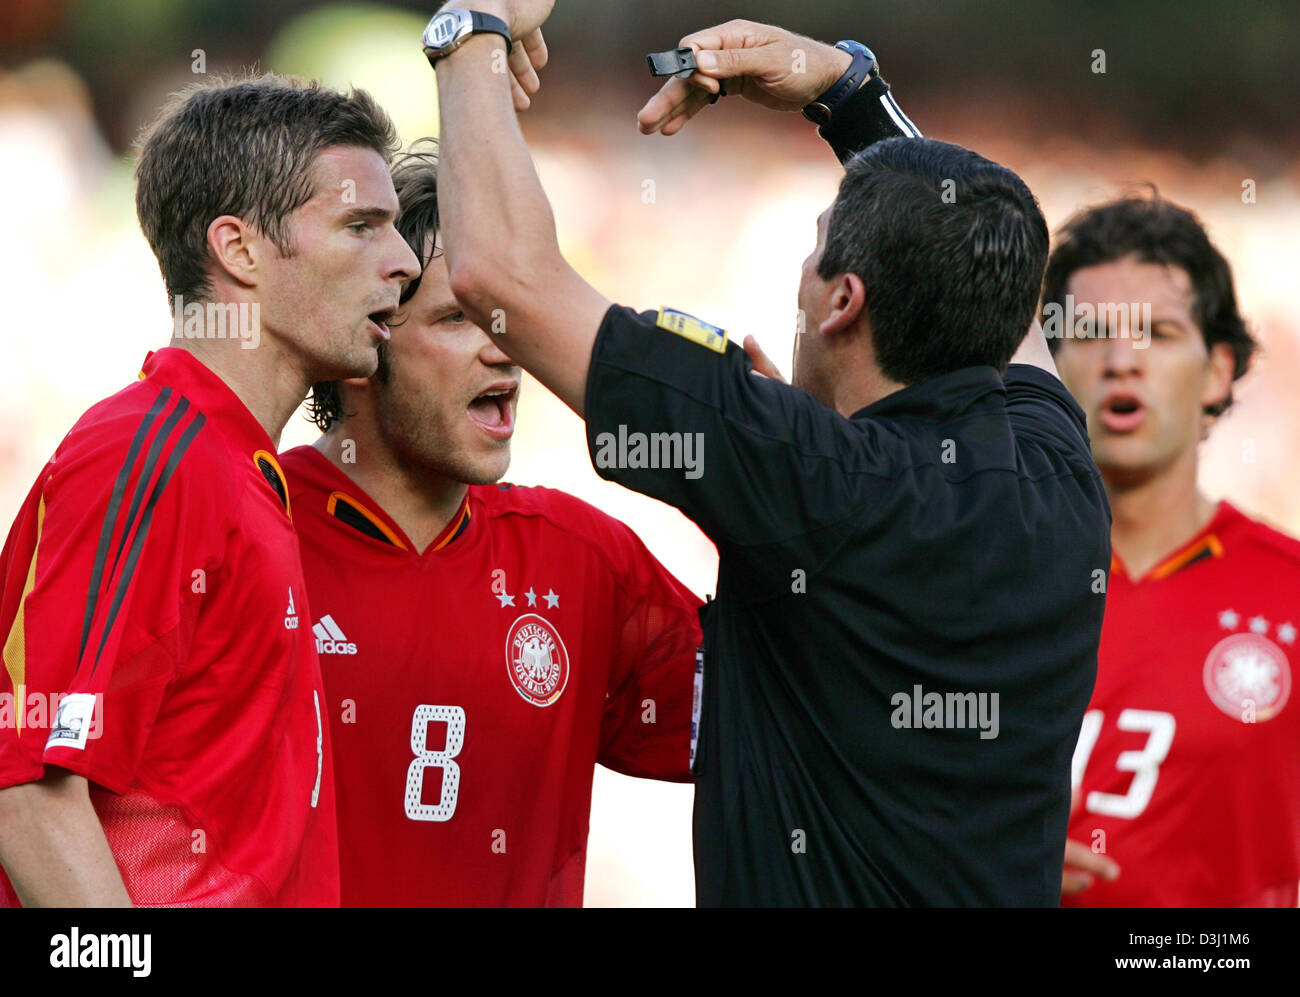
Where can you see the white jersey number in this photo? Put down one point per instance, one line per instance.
(1144, 764)
(320, 745)
(454, 717)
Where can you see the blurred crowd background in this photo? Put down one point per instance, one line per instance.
(1198, 98)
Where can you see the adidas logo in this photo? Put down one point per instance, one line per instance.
(291, 614)
(330, 639)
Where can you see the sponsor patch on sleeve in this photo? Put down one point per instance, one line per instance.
(689, 327)
(75, 722)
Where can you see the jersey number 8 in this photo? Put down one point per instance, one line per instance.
(454, 717)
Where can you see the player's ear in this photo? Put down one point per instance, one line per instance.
(848, 297)
(1220, 366)
(235, 248)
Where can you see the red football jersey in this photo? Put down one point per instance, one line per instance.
(1189, 755)
(472, 688)
(158, 643)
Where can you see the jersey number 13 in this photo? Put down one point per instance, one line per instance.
(1143, 763)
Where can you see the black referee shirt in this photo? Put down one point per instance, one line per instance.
(904, 638)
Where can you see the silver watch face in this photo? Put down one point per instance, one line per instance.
(447, 30)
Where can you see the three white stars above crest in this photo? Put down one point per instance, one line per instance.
(1286, 632)
(552, 600)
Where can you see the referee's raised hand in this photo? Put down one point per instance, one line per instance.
(528, 52)
(763, 63)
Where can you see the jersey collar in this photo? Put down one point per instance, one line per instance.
(180, 369)
(1207, 543)
(349, 503)
(937, 397)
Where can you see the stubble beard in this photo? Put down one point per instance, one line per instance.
(422, 443)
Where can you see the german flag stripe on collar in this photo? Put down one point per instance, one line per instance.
(352, 511)
(1198, 550)
(343, 506)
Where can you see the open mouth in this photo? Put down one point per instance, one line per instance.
(379, 319)
(1122, 413)
(492, 411)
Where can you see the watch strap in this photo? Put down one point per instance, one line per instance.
(490, 24)
(827, 105)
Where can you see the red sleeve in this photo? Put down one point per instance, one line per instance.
(103, 582)
(646, 729)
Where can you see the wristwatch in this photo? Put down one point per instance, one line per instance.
(863, 67)
(449, 30)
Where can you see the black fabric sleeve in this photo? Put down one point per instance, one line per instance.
(869, 116)
(1038, 404)
(767, 461)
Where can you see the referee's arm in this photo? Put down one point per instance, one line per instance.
(498, 229)
(780, 70)
(755, 60)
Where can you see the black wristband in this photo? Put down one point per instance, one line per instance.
(491, 24)
(869, 116)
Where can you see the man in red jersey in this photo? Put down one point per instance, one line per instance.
(1187, 769)
(483, 645)
(162, 735)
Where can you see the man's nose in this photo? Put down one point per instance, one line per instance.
(403, 265)
(1122, 356)
(492, 354)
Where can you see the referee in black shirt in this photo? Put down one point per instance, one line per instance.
(913, 538)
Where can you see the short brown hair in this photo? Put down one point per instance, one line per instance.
(242, 146)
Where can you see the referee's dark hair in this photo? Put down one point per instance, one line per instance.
(950, 247)
(415, 177)
(1154, 230)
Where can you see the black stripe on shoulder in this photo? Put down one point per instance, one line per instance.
(160, 440)
(110, 516)
(146, 518)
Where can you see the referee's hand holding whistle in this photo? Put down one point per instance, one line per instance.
(766, 64)
(784, 71)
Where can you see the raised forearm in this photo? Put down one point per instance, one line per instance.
(52, 845)
(497, 226)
